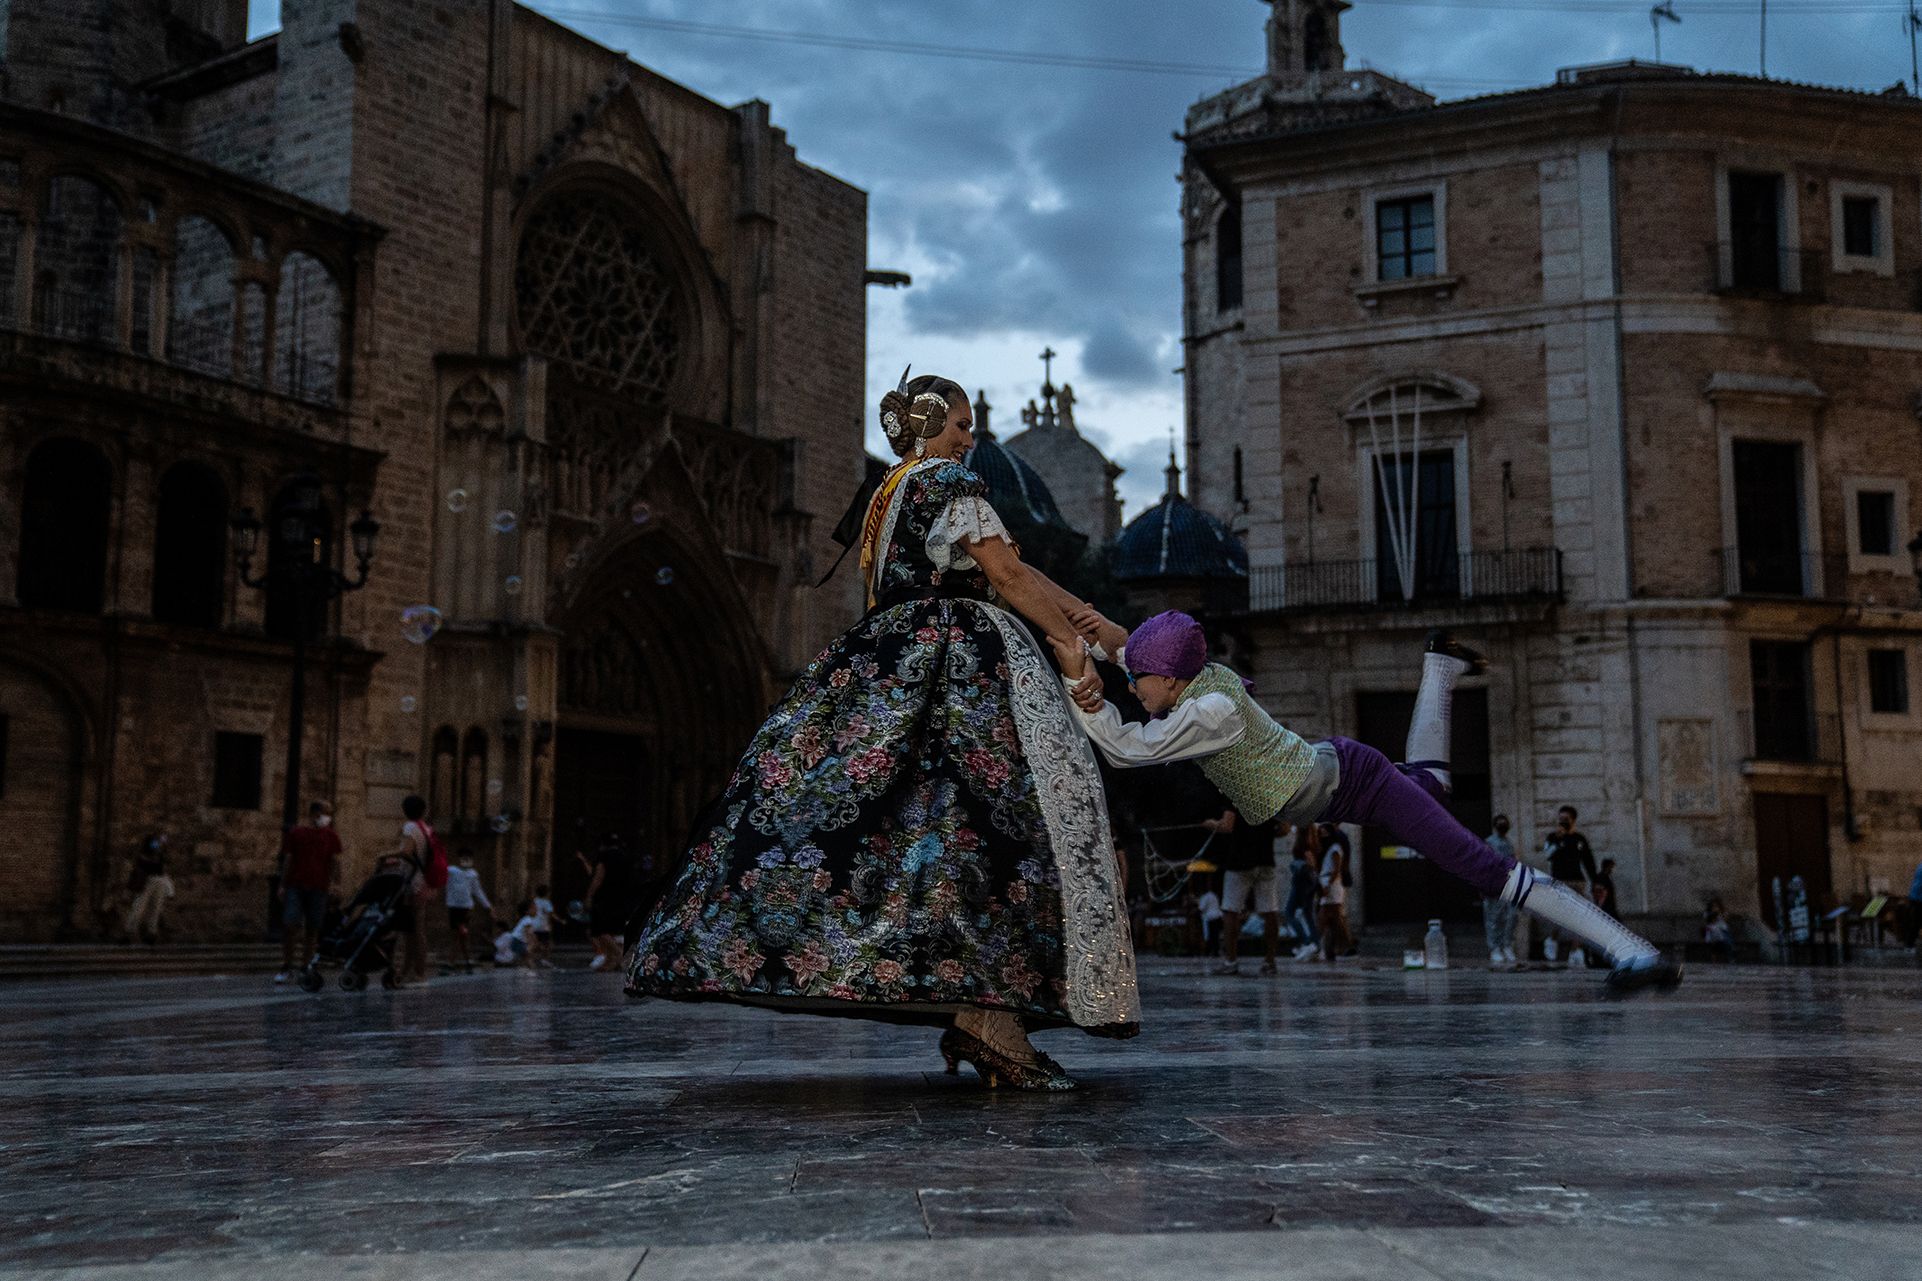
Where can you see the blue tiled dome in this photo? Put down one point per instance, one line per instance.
(1176, 539)
(1016, 489)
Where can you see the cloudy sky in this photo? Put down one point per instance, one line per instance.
(1035, 204)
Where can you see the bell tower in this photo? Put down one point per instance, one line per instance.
(1304, 38)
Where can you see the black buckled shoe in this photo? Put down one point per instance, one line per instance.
(1442, 641)
(1640, 973)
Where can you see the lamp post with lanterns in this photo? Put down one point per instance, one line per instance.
(297, 566)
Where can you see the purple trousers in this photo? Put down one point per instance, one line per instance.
(1407, 803)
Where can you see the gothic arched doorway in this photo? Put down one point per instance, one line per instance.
(662, 680)
(42, 748)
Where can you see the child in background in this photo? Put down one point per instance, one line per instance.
(1204, 713)
(464, 894)
(544, 932)
(517, 944)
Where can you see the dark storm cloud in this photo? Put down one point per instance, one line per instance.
(1041, 202)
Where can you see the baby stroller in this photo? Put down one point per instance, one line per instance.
(362, 939)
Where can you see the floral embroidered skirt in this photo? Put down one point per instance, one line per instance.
(909, 833)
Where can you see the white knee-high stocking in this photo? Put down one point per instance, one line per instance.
(1544, 896)
(1431, 730)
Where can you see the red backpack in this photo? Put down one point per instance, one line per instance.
(435, 870)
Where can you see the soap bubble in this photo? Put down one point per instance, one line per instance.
(419, 623)
(664, 576)
(505, 521)
(408, 703)
(500, 823)
(456, 500)
(513, 585)
(641, 513)
(493, 787)
(520, 702)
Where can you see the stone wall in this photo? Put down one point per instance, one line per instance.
(1580, 294)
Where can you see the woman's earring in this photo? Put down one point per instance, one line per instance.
(920, 447)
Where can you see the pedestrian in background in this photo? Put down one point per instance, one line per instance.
(1498, 914)
(1210, 908)
(464, 894)
(420, 843)
(1334, 838)
(1716, 931)
(1604, 888)
(1246, 856)
(309, 873)
(150, 886)
(609, 902)
(1304, 864)
(544, 931)
(1336, 941)
(1572, 862)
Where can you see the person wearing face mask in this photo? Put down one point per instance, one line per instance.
(309, 872)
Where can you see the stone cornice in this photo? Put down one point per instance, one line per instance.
(1706, 111)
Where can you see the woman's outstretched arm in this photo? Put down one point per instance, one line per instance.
(1064, 599)
(1027, 591)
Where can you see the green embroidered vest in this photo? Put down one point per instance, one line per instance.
(1266, 767)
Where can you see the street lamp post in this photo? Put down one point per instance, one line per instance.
(298, 566)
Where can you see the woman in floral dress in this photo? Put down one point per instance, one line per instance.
(917, 833)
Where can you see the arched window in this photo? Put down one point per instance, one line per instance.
(441, 795)
(63, 527)
(77, 261)
(473, 776)
(190, 547)
(1228, 257)
(307, 330)
(283, 601)
(200, 323)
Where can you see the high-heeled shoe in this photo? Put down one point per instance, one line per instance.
(996, 1069)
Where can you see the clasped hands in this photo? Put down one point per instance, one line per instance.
(1091, 628)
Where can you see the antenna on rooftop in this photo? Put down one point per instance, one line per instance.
(1765, 37)
(1912, 23)
(1665, 12)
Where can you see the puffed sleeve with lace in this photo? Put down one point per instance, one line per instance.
(963, 515)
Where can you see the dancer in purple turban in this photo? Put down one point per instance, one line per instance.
(1204, 712)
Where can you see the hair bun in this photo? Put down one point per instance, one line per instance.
(894, 417)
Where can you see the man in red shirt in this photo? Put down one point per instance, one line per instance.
(309, 871)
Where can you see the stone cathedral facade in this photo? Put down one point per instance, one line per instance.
(588, 345)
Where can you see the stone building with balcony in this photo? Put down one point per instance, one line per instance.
(587, 344)
(1617, 377)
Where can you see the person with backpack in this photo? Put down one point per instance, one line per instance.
(419, 842)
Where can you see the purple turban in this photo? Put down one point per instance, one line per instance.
(1170, 644)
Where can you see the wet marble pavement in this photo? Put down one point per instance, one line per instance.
(1327, 1124)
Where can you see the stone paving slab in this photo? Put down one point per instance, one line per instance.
(1331, 1122)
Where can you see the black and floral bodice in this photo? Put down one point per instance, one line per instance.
(923, 549)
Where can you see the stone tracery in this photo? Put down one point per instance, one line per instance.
(596, 299)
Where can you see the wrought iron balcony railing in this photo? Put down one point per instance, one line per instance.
(1763, 270)
(1806, 738)
(1527, 574)
(1790, 575)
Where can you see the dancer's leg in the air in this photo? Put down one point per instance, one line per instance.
(1206, 715)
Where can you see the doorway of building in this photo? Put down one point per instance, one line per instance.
(1401, 887)
(40, 773)
(1791, 839)
(600, 782)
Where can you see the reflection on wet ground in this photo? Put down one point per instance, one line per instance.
(196, 1126)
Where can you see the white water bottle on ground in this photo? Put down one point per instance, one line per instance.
(1435, 947)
